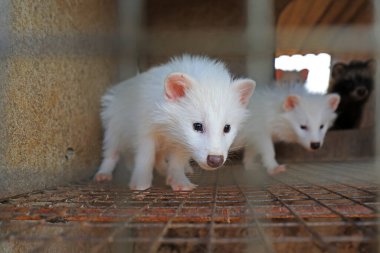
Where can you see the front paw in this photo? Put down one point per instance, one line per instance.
(180, 184)
(103, 177)
(135, 187)
(140, 183)
(277, 170)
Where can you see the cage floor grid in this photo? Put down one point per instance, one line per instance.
(318, 207)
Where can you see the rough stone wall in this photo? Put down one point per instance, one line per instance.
(57, 59)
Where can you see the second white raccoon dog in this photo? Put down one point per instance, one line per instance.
(189, 107)
(285, 115)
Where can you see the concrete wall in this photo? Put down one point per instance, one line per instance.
(213, 28)
(57, 59)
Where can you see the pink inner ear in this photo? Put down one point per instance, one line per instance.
(304, 73)
(245, 88)
(245, 95)
(174, 91)
(278, 74)
(175, 86)
(334, 102)
(290, 103)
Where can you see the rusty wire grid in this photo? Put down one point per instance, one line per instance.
(319, 207)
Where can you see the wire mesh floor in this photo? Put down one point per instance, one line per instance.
(319, 207)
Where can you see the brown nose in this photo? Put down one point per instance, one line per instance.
(315, 145)
(215, 161)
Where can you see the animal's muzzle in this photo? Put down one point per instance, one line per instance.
(215, 161)
(315, 145)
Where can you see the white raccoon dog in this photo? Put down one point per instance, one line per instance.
(189, 107)
(285, 115)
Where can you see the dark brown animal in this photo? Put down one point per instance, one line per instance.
(354, 82)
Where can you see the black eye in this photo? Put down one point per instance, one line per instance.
(198, 127)
(303, 127)
(322, 126)
(227, 128)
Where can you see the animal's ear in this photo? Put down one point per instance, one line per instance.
(338, 69)
(291, 102)
(176, 85)
(333, 100)
(245, 89)
(304, 73)
(278, 74)
(372, 66)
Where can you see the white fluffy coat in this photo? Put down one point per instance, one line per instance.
(151, 118)
(285, 115)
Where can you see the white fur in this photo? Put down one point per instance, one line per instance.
(274, 120)
(150, 119)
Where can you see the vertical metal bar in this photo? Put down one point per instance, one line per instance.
(266, 241)
(261, 40)
(377, 92)
(130, 17)
(156, 244)
(211, 236)
(260, 36)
